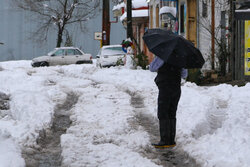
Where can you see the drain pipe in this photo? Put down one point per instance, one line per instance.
(212, 31)
(198, 25)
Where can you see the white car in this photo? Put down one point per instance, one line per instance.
(62, 56)
(110, 55)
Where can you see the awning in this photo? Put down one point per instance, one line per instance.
(242, 14)
(135, 13)
(169, 10)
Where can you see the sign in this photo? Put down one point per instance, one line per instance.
(98, 36)
(247, 48)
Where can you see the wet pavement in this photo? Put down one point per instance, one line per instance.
(4, 101)
(47, 153)
(168, 157)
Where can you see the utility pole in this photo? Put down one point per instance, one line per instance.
(232, 37)
(212, 32)
(129, 20)
(105, 23)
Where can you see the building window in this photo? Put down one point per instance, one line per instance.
(165, 3)
(168, 3)
(204, 8)
(151, 17)
(157, 16)
(182, 18)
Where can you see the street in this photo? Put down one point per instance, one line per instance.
(81, 115)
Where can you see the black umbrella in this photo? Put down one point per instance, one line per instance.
(173, 48)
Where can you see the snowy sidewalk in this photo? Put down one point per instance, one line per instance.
(110, 119)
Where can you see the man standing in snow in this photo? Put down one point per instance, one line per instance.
(168, 81)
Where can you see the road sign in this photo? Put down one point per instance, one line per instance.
(98, 36)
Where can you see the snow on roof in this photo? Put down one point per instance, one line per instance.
(110, 46)
(135, 3)
(167, 9)
(243, 10)
(135, 13)
(119, 6)
(139, 3)
(67, 47)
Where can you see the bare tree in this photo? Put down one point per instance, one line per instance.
(222, 47)
(117, 1)
(59, 15)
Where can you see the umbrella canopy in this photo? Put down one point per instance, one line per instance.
(173, 48)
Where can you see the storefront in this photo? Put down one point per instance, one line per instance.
(241, 59)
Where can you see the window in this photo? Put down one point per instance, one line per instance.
(77, 52)
(59, 52)
(157, 16)
(70, 52)
(204, 8)
(113, 51)
(182, 18)
(73, 52)
(168, 3)
(151, 17)
(165, 3)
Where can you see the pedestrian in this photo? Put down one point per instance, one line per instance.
(168, 81)
(129, 58)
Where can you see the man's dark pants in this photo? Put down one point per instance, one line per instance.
(168, 98)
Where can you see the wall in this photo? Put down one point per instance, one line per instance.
(17, 25)
(203, 29)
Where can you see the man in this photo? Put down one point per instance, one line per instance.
(168, 81)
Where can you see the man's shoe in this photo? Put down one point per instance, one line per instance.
(163, 145)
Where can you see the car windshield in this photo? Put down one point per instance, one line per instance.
(113, 51)
(52, 52)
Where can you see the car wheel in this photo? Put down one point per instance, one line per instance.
(44, 64)
(36, 64)
(99, 65)
(79, 62)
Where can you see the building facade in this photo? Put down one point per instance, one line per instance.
(193, 20)
(16, 35)
(139, 22)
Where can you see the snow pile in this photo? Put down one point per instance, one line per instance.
(135, 13)
(119, 6)
(9, 152)
(213, 123)
(242, 10)
(167, 9)
(139, 3)
(135, 4)
(101, 134)
(31, 107)
(221, 137)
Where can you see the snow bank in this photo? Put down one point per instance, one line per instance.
(135, 13)
(119, 6)
(213, 123)
(167, 9)
(32, 100)
(101, 134)
(9, 152)
(139, 3)
(224, 129)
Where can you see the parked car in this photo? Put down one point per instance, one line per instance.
(63, 56)
(110, 55)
